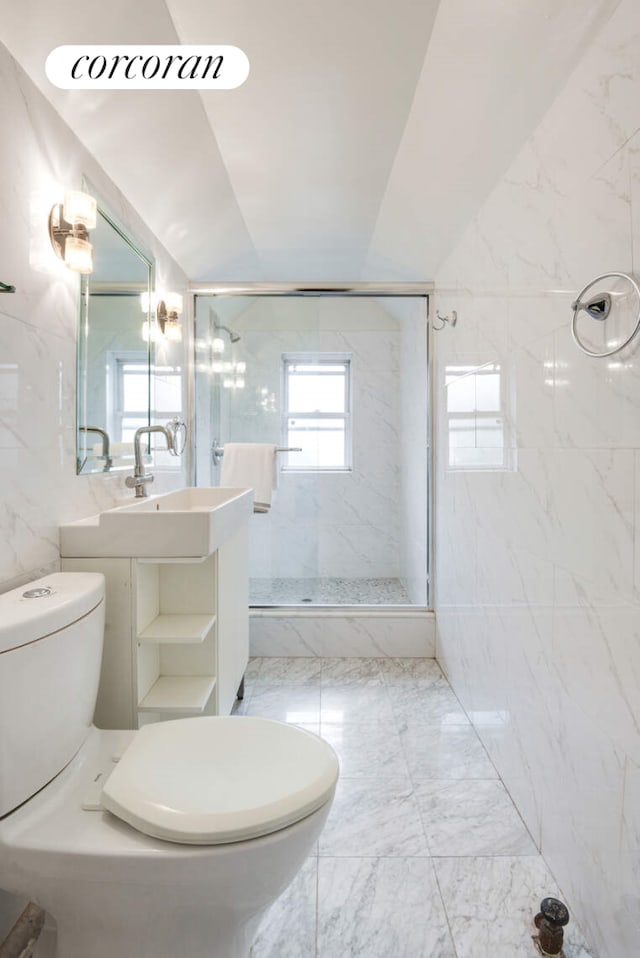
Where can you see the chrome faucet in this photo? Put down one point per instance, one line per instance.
(139, 479)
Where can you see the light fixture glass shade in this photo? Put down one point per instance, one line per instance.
(149, 331)
(173, 331)
(78, 254)
(80, 208)
(146, 301)
(173, 302)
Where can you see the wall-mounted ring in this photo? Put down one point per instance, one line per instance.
(599, 307)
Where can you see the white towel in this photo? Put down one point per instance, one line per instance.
(251, 464)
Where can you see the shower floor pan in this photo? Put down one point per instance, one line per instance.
(326, 591)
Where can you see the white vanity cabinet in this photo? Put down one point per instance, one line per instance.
(176, 633)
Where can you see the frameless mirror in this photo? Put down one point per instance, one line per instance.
(114, 359)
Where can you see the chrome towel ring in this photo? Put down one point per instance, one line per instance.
(599, 307)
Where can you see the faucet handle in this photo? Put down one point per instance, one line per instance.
(178, 431)
(138, 483)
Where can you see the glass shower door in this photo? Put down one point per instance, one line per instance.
(339, 385)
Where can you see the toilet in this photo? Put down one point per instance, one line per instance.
(162, 842)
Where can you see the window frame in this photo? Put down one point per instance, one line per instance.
(317, 359)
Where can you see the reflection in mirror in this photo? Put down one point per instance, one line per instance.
(114, 361)
(478, 418)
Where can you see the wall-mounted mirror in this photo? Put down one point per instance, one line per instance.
(114, 360)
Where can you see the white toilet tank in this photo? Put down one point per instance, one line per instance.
(51, 634)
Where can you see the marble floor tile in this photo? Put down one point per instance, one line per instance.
(367, 750)
(411, 673)
(432, 705)
(297, 671)
(445, 752)
(373, 817)
(356, 703)
(471, 817)
(253, 667)
(298, 704)
(491, 902)
(288, 930)
(380, 908)
(406, 810)
(351, 671)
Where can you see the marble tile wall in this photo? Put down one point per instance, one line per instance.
(333, 633)
(39, 158)
(537, 593)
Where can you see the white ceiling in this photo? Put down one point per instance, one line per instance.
(363, 141)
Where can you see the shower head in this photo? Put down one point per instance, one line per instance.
(233, 337)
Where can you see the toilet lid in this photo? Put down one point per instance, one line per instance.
(213, 780)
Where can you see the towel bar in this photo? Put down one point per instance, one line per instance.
(217, 452)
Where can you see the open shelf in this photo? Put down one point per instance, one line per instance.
(178, 627)
(186, 694)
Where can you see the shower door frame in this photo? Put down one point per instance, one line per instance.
(373, 290)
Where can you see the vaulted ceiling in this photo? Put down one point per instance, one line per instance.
(361, 144)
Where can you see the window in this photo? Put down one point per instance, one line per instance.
(316, 414)
(477, 430)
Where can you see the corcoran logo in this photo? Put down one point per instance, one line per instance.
(147, 67)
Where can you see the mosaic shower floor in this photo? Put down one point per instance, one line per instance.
(327, 591)
(424, 854)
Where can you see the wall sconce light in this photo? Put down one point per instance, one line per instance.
(69, 225)
(168, 307)
(169, 310)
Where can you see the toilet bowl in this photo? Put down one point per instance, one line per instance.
(167, 841)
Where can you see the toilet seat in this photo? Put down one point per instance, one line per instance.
(215, 780)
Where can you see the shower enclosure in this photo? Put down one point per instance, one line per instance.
(339, 383)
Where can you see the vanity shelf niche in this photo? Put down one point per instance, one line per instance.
(176, 633)
(176, 636)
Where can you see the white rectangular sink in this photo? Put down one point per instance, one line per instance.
(188, 523)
